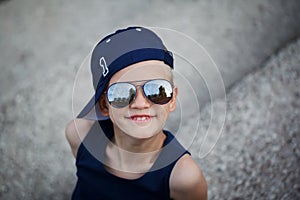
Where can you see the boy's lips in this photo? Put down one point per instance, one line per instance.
(141, 118)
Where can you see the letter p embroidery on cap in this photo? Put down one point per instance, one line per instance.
(102, 63)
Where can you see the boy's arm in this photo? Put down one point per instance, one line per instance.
(187, 181)
(76, 131)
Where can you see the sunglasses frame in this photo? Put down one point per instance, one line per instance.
(136, 87)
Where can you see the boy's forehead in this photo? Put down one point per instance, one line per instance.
(146, 70)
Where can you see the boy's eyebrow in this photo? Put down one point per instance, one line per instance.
(135, 81)
(130, 82)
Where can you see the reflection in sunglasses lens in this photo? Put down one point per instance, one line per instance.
(158, 91)
(120, 94)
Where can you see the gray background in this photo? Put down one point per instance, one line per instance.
(254, 44)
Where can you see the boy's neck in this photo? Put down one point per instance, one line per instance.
(132, 155)
(137, 145)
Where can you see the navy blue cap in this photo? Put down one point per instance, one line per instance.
(118, 51)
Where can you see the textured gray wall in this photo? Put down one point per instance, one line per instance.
(43, 43)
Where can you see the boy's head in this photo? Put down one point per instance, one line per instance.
(134, 55)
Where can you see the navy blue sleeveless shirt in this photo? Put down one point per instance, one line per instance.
(95, 182)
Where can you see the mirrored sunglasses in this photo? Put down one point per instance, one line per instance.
(121, 94)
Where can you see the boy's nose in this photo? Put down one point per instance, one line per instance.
(140, 101)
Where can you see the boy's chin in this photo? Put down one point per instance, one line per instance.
(143, 132)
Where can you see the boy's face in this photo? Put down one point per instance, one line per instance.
(141, 118)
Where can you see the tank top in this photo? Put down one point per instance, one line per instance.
(95, 182)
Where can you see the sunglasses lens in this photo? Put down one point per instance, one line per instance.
(120, 94)
(158, 91)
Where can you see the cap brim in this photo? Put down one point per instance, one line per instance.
(91, 111)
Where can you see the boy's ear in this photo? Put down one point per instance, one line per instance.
(103, 106)
(173, 101)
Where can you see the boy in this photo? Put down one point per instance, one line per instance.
(126, 154)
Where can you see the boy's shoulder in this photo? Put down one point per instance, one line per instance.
(187, 180)
(76, 131)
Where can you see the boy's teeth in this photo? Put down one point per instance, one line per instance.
(140, 118)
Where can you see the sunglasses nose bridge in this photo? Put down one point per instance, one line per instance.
(140, 100)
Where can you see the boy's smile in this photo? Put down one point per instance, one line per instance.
(142, 118)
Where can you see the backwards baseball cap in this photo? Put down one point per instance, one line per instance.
(116, 52)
